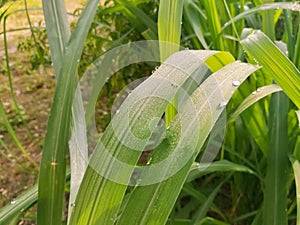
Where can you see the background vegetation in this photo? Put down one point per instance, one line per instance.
(255, 176)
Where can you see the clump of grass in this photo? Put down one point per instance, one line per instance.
(259, 138)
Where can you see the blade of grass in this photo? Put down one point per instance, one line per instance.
(53, 165)
(9, 158)
(211, 221)
(296, 58)
(296, 168)
(213, 19)
(12, 90)
(20, 204)
(58, 30)
(13, 135)
(275, 193)
(201, 198)
(255, 97)
(271, 6)
(284, 72)
(78, 148)
(169, 26)
(169, 30)
(268, 21)
(197, 170)
(145, 201)
(138, 18)
(102, 204)
(194, 16)
(202, 211)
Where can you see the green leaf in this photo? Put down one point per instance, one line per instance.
(10, 130)
(53, 165)
(270, 6)
(21, 203)
(152, 204)
(202, 211)
(284, 72)
(275, 194)
(296, 168)
(169, 30)
(138, 18)
(169, 26)
(298, 115)
(193, 13)
(211, 221)
(255, 97)
(213, 19)
(58, 30)
(104, 203)
(18, 205)
(200, 169)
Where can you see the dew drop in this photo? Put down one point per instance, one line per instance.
(222, 104)
(149, 161)
(73, 205)
(117, 111)
(13, 201)
(236, 83)
(156, 67)
(254, 92)
(255, 60)
(258, 89)
(138, 181)
(153, 71)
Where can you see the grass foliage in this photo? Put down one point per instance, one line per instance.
(243, 57)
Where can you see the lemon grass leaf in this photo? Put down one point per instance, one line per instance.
(104, 185)
(152, 204)
(53, 164)
(269, 6)
(255, 97)
(296, 168)
(275, 193)
(200, 169)
(283, 71)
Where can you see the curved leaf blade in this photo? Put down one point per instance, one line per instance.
(255, 97)
(275, 63)
(200, 169)
(145, 201)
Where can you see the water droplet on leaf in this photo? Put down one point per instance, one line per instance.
(222, 104)
(13, 201)
(236, 83)
(139, 181)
